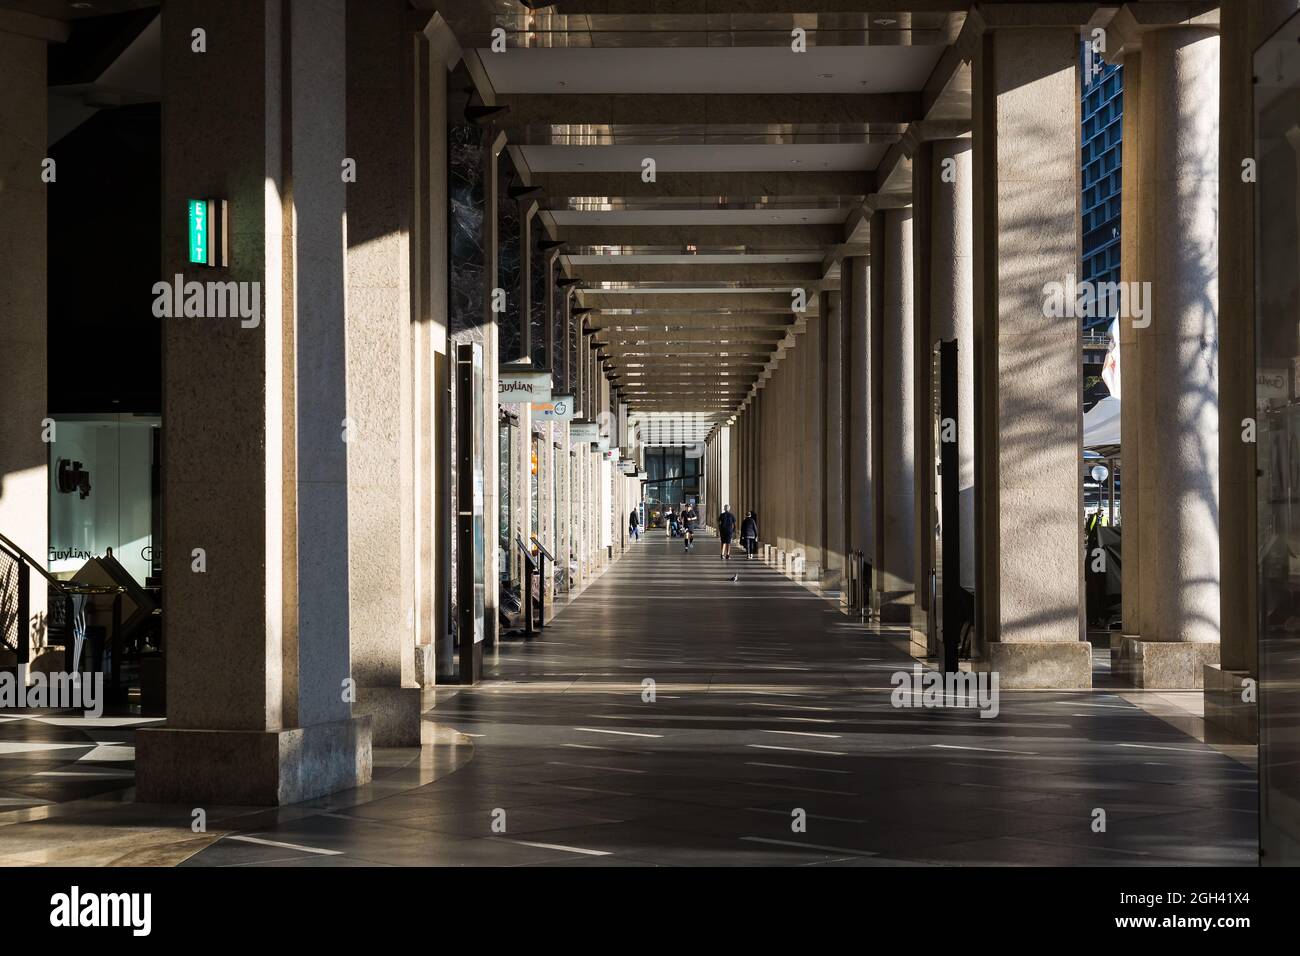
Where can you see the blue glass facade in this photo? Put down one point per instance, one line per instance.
(1102, 112)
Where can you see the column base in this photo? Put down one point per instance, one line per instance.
(896, 606)
(426, 664)
(471, 663)
(251, 767)
(918, 635)
(1225, 712)
(1024, 665)
(394, 714)
(1164, 665)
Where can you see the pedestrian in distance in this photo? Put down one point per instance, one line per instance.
(634, 525)
(726, 531)
(749, 535)
(689, 519)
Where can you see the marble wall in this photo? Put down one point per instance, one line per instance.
(537, 304)
(465, 150)
(508, 261)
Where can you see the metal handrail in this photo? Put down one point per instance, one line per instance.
(542, 548)
(530, 564)
(63, 587)
(543, 556)
(65, 590)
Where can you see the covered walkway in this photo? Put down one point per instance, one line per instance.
(767, 700)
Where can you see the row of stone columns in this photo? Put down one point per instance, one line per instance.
(1000, 211)
(308, 525)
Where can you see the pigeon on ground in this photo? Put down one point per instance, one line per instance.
(735, 578)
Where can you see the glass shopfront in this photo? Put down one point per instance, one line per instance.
(1277, 343)
(104, 492)
(673, 477)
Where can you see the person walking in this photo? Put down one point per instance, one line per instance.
(749, 535)
(634, 525)
(689, 518)
(726, 530)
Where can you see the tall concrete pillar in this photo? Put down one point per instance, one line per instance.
(546, 501)
(1238, 649)
(256, 513)
(1178, 183)
(491, 337)
(434, 422)
(812, 453)
(952, 316)
(1029, 569)
(24, 455)
(381, 489)
(859, 491)
(923, 458)
(896, 534)
(836, 435)
(1133, 412)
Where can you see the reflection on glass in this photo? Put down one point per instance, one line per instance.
(103, 492)
(1277, 395)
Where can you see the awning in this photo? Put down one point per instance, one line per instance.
(1101, 425)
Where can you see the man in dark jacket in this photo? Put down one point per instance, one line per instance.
(749, 535)
(726, 530)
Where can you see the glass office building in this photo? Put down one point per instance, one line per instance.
(1102, 115)
(1101, 156)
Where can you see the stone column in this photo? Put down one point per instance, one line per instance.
(567, 499)
(1134, 412)
(895, 465)
(854, 283)
(435, 503)
(381, 493)
(952, 315)
(546, 502)
(24, 455)
(1025, 165)
(833, 412)
(255, 515)
(923, 479)
(1178, 183)
(1237, 349)
(492, 556)
(812, 451)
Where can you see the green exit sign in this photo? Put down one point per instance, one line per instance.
(207, 232)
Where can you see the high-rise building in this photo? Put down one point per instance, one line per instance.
(1101, 157)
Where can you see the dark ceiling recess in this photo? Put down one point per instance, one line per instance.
(94, 43)
(105, 350)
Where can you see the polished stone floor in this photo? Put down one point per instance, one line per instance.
(672, 716)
